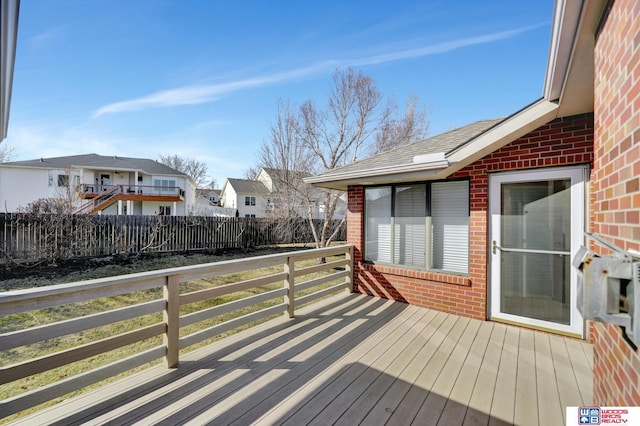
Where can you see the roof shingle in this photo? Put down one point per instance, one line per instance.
(100, 162)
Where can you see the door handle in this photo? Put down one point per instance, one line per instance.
(495, 247)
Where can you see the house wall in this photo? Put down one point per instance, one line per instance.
(260, 209)
(228, 196)
(19, 187)
(566, 141)
(152, 208)
(266, 179)
(616, 185)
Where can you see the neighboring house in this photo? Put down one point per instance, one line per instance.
(208, 204)
(212, 196)
(484, 221)
(101, 184)
(251, 198)
(267, 195)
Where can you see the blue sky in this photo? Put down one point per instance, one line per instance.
(201, 79)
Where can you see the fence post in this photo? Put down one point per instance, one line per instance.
(289, 285)
(171, 316)
(350, 267)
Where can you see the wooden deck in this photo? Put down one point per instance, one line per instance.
(349, 360)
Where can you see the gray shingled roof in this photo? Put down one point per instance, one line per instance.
(244, 186)
(100, 162)
(445, 142)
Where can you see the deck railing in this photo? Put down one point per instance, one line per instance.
(170, 296)
(101, 195)
(89, 188)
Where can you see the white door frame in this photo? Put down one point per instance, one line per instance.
(579, 177)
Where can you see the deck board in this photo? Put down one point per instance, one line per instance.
(352, 359)
(456, 406)
(526, 401)
(439, 394)
(549, 407)
(503, 405)
(448, 334)
(482, 395)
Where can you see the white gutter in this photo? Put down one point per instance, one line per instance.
(566, 17)
(381, 171)
(8, 37)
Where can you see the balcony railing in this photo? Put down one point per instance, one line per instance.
(102, 196)
(86, 190)
(170, 311)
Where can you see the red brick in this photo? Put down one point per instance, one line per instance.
(615, 184)
(468, 295)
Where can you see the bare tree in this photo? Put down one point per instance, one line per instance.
(287, 161)
(213, 184)
(395, 132)
(6, 153)
(251, 172)
(197, 170)
(309, 140)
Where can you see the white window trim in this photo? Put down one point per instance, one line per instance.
(428, 229)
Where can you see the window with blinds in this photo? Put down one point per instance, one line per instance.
(419, 225)
(378, 224)
(450, 226)
(410, 224)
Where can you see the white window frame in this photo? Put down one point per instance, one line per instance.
(249, 200)
(454, 233)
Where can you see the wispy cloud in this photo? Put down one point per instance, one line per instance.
(46, 37)
(197, 94)
(189, 95)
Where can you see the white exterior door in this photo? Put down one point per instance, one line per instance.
(536, 227)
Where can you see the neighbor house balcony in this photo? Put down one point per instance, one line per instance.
(346, 359)
(102, 196)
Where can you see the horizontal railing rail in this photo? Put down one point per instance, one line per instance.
(181, 316)
(90, 188)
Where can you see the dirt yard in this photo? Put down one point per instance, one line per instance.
(84, 269)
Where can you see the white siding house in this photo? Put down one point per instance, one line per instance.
(249, 197)
(267, 196)
(94, 184)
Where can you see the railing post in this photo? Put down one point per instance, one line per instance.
(171, 316)
(289, 285)
(350, 267)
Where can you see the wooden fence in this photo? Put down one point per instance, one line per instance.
(27, 237)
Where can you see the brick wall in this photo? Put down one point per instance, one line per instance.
(566, 141)
(615, 184)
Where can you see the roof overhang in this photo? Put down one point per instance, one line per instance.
(8, 37)
(570, 67)
(512, 128)
(418, 170)
(441, 165)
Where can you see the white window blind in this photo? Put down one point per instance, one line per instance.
(410, 225)
(450, 226)
(378, 224)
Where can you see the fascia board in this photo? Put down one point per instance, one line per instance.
(566, 19)
(509, 130)
(381, 171)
